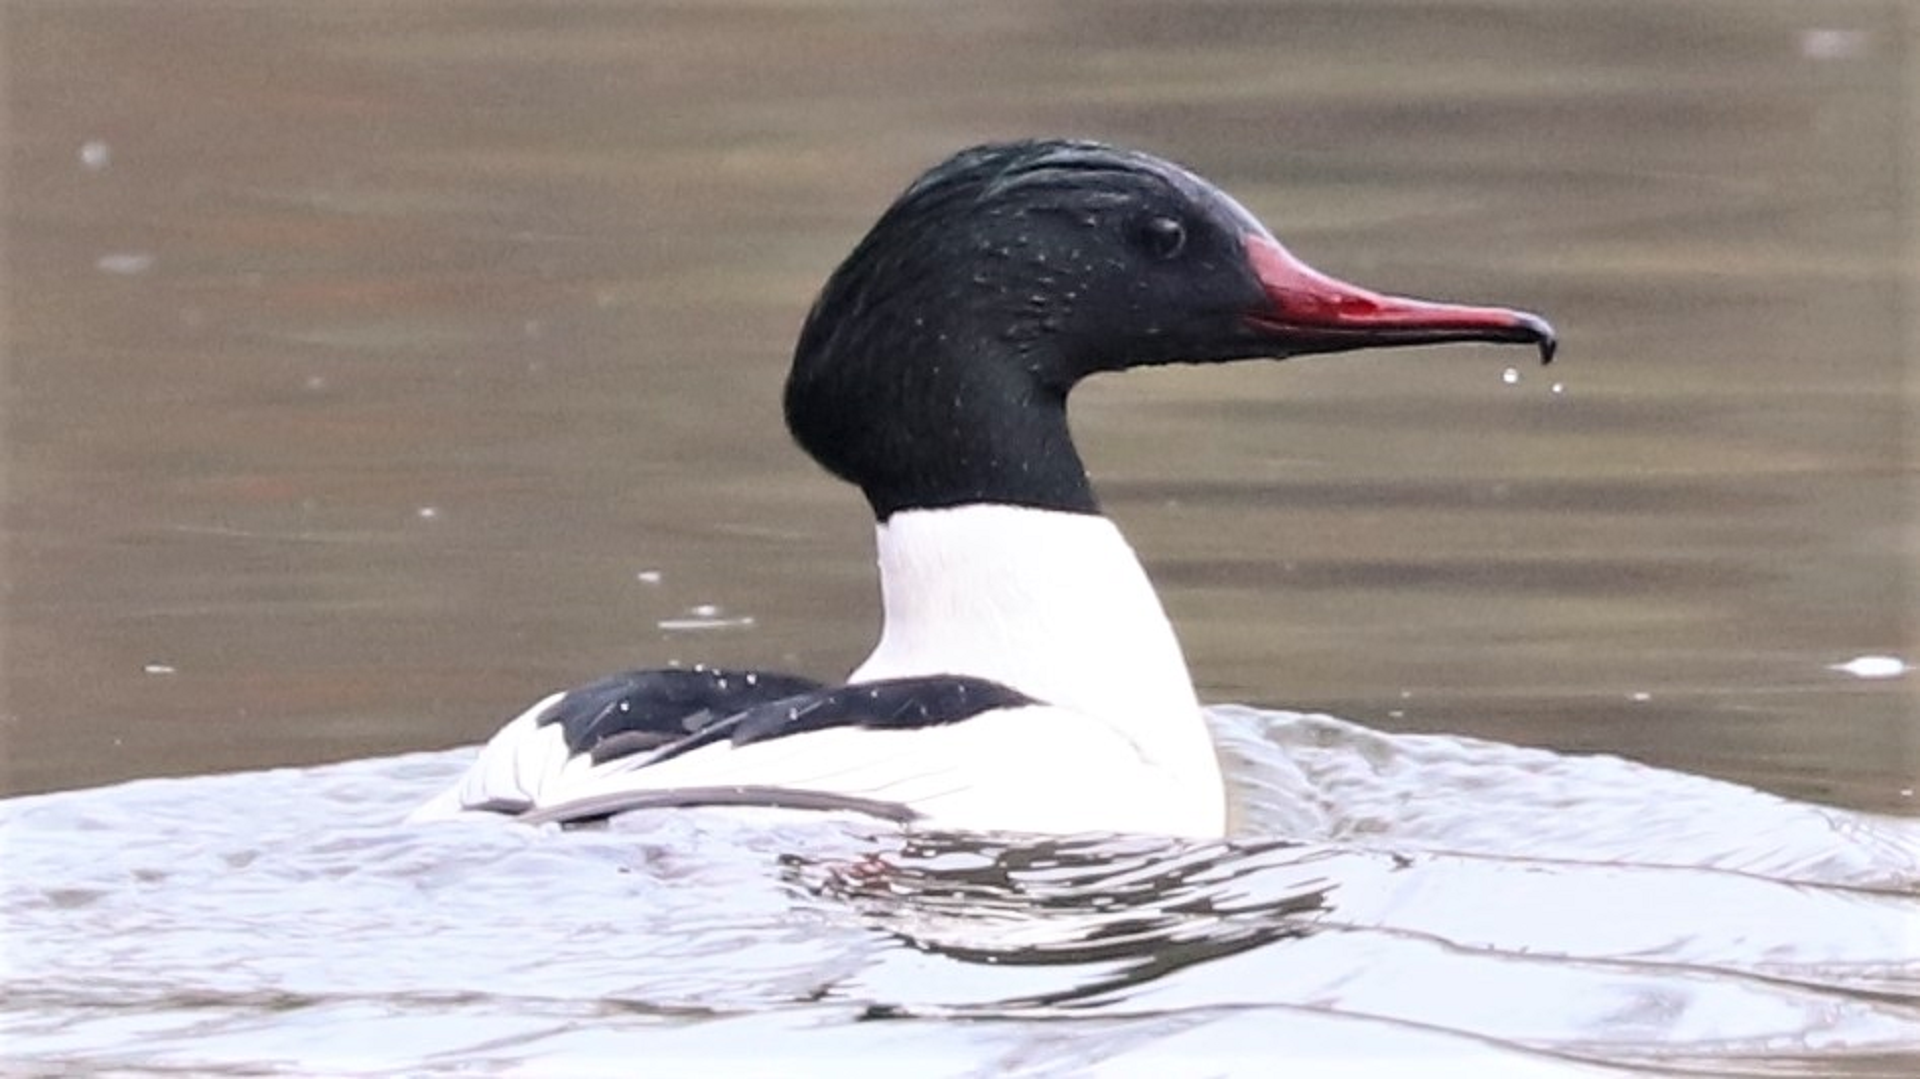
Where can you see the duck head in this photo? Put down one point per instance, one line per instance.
(934, 368)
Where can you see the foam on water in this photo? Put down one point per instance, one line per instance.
(1387, 899)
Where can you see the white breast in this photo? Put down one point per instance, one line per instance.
(1056, 605)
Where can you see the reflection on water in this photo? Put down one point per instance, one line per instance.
(373, 369)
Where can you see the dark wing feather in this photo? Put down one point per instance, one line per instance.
(892, 704)
(639, 711)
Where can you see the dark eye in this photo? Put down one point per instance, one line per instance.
(1163, 237)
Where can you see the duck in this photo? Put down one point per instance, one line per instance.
(1026, 677)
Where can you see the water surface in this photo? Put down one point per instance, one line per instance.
(1389, 902)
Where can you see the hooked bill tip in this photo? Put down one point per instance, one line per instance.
(1542, 333)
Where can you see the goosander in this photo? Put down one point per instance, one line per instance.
(1026, 678)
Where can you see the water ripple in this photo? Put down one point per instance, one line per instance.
(1386, 898)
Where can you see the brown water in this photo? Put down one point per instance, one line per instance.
(360, 357)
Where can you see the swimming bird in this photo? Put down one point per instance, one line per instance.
(1026, 677)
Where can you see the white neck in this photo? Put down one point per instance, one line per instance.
(1053, 604)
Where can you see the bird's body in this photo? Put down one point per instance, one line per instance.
(1026, 677)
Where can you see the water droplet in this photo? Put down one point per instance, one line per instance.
(427, 513)
(1872, 667)
(1641, 697)
(1511, 376)
(1559, 387)
(1823, 43)
(704, 616)
(95, 154)
(125, 263)
(160, 668)
(649, 576)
